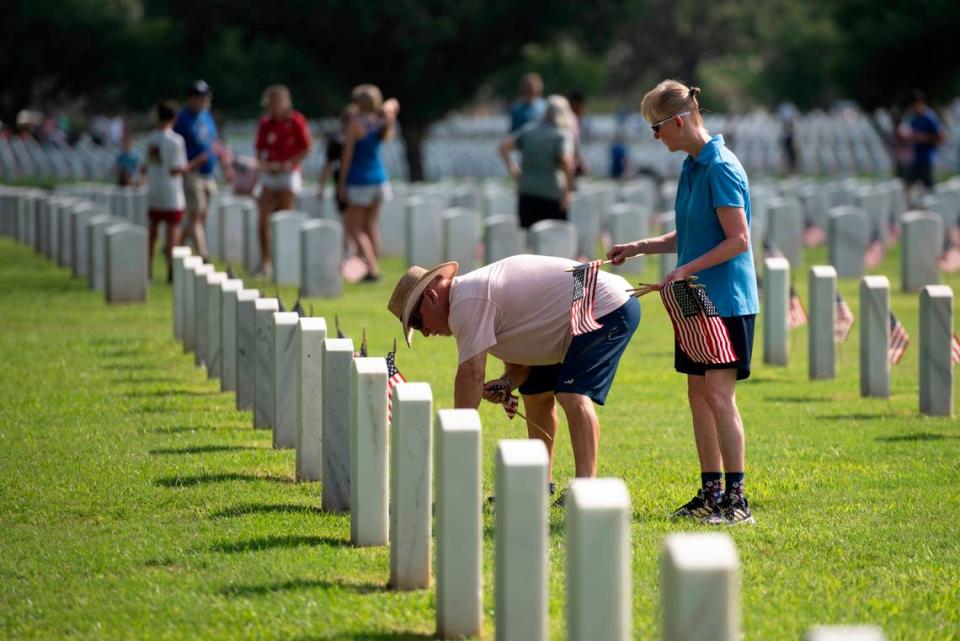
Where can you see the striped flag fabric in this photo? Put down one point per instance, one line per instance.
(796, 314)
(954, 349)
(844, 320)
(511, 405)
(874, 254)
(584, 289)
(899, 339)
(698, 328)
(394, 378)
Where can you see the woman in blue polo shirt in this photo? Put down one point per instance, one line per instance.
(712, 242)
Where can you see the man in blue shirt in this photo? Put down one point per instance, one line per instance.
(927, 134)
(199, 131)
(531, 106)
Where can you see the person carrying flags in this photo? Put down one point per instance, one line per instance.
(521, 309)
(712, 242)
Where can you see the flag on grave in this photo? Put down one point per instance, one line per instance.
(954, 349)
(875, 252)
(584, 289)
(697, 326)
(394, 378)
(297, 307)
(796, 314)
(844, 320)
(899, 339)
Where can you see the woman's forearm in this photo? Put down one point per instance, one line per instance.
(727, 249)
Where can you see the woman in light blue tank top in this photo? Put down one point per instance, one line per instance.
(364, 184)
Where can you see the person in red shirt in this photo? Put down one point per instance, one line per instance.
(283, 141)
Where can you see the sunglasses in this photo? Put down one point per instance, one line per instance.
(656, 126)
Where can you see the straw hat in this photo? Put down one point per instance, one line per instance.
(409, 289)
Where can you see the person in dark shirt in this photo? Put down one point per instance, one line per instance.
(927, 134)
(331, 163)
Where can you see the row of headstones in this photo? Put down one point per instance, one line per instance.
(129, 203)
(332, 407)
(75, 233)
(936, 332)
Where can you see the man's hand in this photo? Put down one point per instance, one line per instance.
(497, 390)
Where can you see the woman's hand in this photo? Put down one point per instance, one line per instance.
(679, 273)
(623, 251)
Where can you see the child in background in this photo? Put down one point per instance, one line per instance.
(166, 165)
(129, 165)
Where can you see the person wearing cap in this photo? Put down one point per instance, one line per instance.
(518, 310)
(199, 132)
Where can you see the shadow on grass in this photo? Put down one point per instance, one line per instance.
(275, 508)
(131, 367)
(863, 416)
(179, 429)
(143, 381)
(798, 399)
(203, 479)
(370, 636)
(918, 436)
(171, 392)
(204, 449)
(277, 543)
(298, 584)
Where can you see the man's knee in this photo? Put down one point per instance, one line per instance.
(575, 403)
(538, 402)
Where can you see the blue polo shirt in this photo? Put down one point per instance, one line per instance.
(925, 123)
(199, 132)
(715, 179)
(522, 113)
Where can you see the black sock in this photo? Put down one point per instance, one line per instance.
(712, 488)
(734, 482)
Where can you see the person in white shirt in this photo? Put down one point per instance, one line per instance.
(166, 159)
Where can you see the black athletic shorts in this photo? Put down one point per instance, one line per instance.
(533, 209)
(741, 336)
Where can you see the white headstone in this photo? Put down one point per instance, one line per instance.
(285, 234)
(311, 333)
(284, 421)
(822, 356)
(190, 266)
(521, 540)
(936, 334)
(96, 252)
(846, 633)
(369, 519)
(213, 344)
(232, 229)
(411, 486)
(776, 301)
(874, 336)
(848, 231)
(459, 524)
(701, 589)
(80, 233)
(585, 216)
(628, 223)
(246, 347)
(251, 239)
(228, 333)
(599, 561)
(337, 364)
(553, 238)
(200, 312)
(126, 249)
(321, 253)
(179, 254)
(461, 237)
(502, 237)
(785, 228)
(922, 244)
(423, 231)
(263, 372)
(392, 222)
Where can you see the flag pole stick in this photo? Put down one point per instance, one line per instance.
(542, 431)
(605, 262)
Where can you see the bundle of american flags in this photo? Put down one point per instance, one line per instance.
(584, 289)
(899, 339)
(844, 320)
(698, 327)
(796, 314)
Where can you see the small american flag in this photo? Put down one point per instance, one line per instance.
(899, 339)
(394, 378)
(954, 349)
(698, 327)
(584, 288)
(874, 254)
(844, 320)
(796, 314)
(511, 405)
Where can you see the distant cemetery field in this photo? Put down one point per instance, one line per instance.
(137, 502)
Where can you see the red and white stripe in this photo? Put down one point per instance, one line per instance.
(844, 320)
(796, 314)
(954, 349)
(899, 340)
(392, 382)
(581, 312)
(704, 339)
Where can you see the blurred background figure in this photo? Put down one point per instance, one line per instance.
(787, 113)
(283, 141)
(927, 134)
(199, 132)
(578, 105)
(530, 105)
(545, 181)
(128, 167)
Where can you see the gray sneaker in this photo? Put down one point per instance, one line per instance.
(734, 510)
(699, 508)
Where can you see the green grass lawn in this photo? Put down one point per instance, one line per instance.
(137, 503)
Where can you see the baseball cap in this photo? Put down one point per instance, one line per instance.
(198, 88)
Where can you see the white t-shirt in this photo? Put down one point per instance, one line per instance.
(518, 308)
(165, 151)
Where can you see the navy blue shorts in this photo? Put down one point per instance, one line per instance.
(591, 360)
(741, 336)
